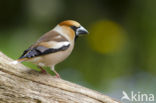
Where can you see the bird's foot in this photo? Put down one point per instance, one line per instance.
(57, 76)
(43, 71)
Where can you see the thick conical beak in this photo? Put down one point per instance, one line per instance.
(81, 30)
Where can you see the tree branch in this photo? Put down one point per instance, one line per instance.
(19, 85)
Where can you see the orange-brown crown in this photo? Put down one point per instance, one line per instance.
(70, 23)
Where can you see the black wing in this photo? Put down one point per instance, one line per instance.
(41, 50)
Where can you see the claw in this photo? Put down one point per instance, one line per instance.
(57, 74)
(42, 70)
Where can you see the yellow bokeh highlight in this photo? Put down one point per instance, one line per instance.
(106, 36)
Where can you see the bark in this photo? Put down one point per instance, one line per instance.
(20, 85)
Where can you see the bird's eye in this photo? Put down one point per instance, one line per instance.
(74, 28)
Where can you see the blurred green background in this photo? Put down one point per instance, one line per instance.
(118, 54)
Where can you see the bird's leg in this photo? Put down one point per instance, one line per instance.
(42, 70)
(57, 74)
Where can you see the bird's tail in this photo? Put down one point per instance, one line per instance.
(18, 61)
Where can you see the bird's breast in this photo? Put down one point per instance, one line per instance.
(55, 58)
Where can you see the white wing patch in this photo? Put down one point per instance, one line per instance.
(56, 45)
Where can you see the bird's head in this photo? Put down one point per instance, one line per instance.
(74, 26)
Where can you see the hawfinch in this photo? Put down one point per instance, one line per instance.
(54, 46)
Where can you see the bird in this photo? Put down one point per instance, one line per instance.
(54, 46)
